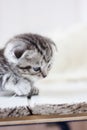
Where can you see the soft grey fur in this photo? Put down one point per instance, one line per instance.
(24, 59)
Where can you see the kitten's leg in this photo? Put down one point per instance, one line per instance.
(19, 86)
(34, 91)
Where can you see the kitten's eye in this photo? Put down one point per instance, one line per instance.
(36, 68)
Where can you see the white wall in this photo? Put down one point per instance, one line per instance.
(47, 17)
(38, 16)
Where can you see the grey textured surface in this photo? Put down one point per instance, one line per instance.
(60, 109)
(65, 99)
(46, 109)
(14, 112)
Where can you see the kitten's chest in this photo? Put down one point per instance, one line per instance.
(4, 67)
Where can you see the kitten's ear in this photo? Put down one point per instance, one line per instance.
(18, 53)
(25, 53)
(14, 50)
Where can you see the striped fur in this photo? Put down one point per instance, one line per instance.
(25, 58)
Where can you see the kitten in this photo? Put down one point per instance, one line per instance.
(25, 59)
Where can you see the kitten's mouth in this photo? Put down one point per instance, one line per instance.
(27, 67)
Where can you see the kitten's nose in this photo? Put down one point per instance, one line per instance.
(43, 74)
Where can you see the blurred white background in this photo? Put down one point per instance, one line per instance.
(50, 18)
(39, 16)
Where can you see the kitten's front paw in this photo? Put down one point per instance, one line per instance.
(35, 91)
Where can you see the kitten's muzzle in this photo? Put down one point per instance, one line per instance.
(43, 74)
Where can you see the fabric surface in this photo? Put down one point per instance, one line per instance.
(68, 98)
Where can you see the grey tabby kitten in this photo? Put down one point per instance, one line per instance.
(25, 59)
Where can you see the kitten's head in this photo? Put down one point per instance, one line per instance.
(30, 54)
